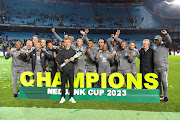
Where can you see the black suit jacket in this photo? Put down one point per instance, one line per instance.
(66, 54)
(146, 61)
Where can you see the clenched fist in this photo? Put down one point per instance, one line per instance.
(18, 52)
(116, 54)
(72, 59)
(86, 31)
(82, 32)
(89, 50)
(53, 29)
(164, 32)
(97, 56)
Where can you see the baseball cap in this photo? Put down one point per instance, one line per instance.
(157, 37)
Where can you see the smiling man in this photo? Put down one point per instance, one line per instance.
(39, 58)
(68, 70)
(161, 64)
(146, 60)
(17, 65)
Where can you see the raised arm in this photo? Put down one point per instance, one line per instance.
(116, 37)
(109, 42)
(168, 39)
(84, 33)
(56, 35)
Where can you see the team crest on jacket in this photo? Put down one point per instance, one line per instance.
(42, 54)
(38, 57)
(104, 58)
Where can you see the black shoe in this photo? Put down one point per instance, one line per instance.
(166, 99)
(15, 96)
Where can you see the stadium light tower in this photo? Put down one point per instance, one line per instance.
(176, 2)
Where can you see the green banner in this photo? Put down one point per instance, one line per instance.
(92, 94)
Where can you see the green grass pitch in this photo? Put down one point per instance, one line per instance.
(6, 94)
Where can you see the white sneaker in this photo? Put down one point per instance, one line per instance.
(72, 100)
(161, 98)
(62, 100)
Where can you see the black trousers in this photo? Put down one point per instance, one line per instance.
(70, 76)
(53, 73)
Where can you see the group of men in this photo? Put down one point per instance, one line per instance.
(109, 56)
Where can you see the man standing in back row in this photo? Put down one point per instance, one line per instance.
(146, 56)
(161, 64)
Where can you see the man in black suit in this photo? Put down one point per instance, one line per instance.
(68, 70)
(146, 60)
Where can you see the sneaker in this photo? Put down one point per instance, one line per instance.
(15, 96)
(161, 98)
(72, 100)
(166, 99)
(62, 100)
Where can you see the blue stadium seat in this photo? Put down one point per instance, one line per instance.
(41, 13)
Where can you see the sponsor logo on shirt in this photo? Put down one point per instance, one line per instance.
(38, 57)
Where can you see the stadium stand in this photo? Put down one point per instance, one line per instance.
(40, 13)
(76, 15)
(144, 18)
(174, 24)
(31, 13)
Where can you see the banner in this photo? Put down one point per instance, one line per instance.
(92, 94)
